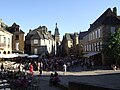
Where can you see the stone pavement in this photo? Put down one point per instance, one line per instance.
(41, 85)
(44, 85)
(105, 78)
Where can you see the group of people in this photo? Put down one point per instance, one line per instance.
(54, 79)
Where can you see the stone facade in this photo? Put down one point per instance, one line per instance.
(98, 34)
(17, 38)
(40, 41)
(70, 44)
(5, 39)
(57, 40)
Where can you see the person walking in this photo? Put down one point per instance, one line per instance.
(2, 67)
(65, 68)
(31, 69)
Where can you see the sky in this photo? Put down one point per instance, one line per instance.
(70, 15)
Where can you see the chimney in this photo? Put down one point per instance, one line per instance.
(90, 25)
(49, 32)
(30, 30)
(115, 10)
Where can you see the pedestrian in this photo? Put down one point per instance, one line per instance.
(93, 66)
(21, 68)
(65, 67)
(31, 69)
(51, 80)
(2, 67)
(54, 79)
(40, 67)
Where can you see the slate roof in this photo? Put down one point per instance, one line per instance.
(107, 18)
(82, 34)
(56, 31)
(42, 33)
(68, 36)
(12, 28)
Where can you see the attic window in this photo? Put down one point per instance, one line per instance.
(17, 29)
(17, 37)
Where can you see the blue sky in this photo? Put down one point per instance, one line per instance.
(71, 15)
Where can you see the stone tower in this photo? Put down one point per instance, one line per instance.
(57, 40)
(57, 34)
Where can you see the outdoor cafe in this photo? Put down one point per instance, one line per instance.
(17, 78)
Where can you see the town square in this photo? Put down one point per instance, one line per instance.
(60, 45)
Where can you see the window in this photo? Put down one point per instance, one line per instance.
(89, 37)
(99, 33)
(90, 47)
(49, 41)
(49, 49)
(17, 46)
(35, 51)
(96, 35)
(112, 29)
(85, 48)
(94, 46)
(4, 40)
(4, 52)
(8, 42)
(35, 41)
(44, 41)
(8, 52)
(98, 46)
(93, 35)
(17, 29)
(17, 37)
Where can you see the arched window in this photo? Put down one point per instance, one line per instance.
(8, 52)
(4, 52)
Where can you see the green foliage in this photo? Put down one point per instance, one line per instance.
(112, 46)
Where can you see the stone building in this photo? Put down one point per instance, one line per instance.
(40, 41)
(81, 43)
(98, 34)
(17, 38)
(5, 39)
(57, 40)
(70, 44)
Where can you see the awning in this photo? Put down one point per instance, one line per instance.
(22, 55)
(8, 55)
(91, 54)
(33, 56)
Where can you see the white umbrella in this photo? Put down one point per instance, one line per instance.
(33, 56)
(10, 56)
(2, 55)
(22, 55)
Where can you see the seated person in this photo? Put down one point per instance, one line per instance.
(24, 82)
(51, 78)
(54, 78)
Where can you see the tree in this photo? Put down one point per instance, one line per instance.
(112, 47)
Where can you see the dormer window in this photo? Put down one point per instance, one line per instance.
(17, 29)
